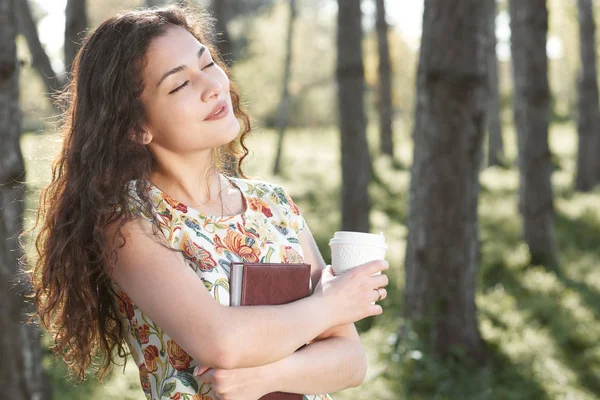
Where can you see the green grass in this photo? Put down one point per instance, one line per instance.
(542, 329)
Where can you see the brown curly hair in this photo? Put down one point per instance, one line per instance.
(101, 153)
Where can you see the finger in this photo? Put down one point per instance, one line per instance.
(375, 309)
(327, 271)
(204, 384)
(380, 280)
(372, 267)
(199, 370)
(383, 294)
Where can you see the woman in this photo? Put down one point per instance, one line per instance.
(141, 222)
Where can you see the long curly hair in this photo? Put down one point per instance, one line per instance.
(100, 155)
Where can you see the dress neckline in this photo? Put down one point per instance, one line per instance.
(187, 208)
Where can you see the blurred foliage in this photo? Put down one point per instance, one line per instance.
(258, 70)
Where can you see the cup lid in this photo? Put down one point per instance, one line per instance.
(361, 238)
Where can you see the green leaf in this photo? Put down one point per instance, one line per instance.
(280, 194)
(204, 389)
(168, 389)
(188, 380)
(203, 236)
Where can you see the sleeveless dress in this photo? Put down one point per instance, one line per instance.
(267, 231)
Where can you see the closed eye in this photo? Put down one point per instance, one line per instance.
(212, 63)
(179, 88)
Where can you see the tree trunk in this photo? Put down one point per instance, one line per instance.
(155, 3)
(76, 24)
(588, 119)
(494, 121)
(222, 12)
(40, 60)
(385, 83)
(282, 115)
(356, 162)
(529, 27)
(443, 245)
(21, 373)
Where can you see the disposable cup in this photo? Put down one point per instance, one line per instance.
(351, 249)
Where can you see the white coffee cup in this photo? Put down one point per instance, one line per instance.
(351, 249)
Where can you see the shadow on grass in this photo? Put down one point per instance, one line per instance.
(577, 236)
(581, 233)
(545, 309)
(415, 374)
(505, 262)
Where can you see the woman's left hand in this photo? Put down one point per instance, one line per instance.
(234, 384)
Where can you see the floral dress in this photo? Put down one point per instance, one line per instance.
(267, 231)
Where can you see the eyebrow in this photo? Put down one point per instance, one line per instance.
(179, 68)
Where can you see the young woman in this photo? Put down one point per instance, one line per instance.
(142, 220)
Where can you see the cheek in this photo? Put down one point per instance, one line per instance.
(181, 108)
(223, 79)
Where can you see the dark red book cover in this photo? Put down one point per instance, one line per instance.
(255, 284)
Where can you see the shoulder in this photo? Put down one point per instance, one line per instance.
(123, 235)
(132, 245)
(140, 201)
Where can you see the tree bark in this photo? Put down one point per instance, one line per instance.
(155, 3)
(494, 121)
(21, 373)
(282, 114)
(356, 162)
(76, 24)
(443, 245)
(385, 83)
(588, 119)
(222, 12)
(40, 61)
(529, 27)
(12, 171)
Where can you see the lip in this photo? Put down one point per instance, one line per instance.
(220, 110)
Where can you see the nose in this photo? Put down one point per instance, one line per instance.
(211, 88)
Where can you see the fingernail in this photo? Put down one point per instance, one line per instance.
(196, 370)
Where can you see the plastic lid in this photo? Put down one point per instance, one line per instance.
(360, 238)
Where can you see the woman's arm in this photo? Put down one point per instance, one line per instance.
(333, 361)
(160, 283)
(332, 364)
(324, 366)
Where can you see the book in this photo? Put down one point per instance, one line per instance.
(255, 284)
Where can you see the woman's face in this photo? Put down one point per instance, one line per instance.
(183, 89)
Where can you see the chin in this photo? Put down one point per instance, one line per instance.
(231, 132)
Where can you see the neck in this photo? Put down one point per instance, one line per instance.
(192, 179)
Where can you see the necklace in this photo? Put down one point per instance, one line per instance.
(221, 196)
(223, 206)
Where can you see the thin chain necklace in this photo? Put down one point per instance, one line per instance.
(220, 199)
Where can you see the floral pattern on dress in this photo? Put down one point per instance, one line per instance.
(267, 231)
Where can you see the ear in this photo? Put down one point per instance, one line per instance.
(146, 137)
